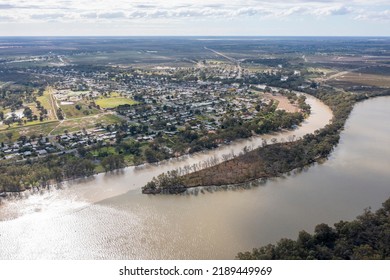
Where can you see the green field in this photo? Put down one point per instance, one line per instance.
(47, 102)
(34, 128)
(71, 112)
(109, 119)
(112, 102)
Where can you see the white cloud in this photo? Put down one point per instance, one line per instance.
(112, 15)
(374, 16)
(49, 16)
(103, 10)
(333, 11)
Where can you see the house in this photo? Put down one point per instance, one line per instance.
(27, 154)
(42, 152)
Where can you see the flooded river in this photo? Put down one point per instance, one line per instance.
(109, 218)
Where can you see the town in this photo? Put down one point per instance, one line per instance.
(95, 107)
(193, 147)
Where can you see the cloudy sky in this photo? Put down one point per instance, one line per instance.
(195, 17)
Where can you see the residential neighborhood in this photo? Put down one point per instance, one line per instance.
(146, 103)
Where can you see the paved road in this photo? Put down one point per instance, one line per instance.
(231, 59)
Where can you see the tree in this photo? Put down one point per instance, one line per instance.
(60, 114)
(112, 162)
(27, 112)
(81, 151)
(150, 155)
(324, 235)
(366, 237)
(8, 122)
(9, 135)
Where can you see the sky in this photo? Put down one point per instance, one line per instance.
(194, 17)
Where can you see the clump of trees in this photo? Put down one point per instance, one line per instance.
(112, 162)
(13, 96)
(274, 79)
(41, 173)
(155, 152)
(60, 114)
(366, 237)
(169, 183)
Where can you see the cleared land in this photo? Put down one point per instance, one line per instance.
(31, 129)
(112, 102)
(48, 102)
(283, 102)
(363, 79)
(71, 111)
(89, 122)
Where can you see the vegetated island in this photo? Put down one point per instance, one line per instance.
(365, 238)
(270, 160)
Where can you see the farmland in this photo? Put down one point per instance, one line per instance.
(361, 79)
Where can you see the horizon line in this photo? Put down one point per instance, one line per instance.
(212, 36)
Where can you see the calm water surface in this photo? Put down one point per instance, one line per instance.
(108, 218)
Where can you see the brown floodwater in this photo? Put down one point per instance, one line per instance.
(109, 218)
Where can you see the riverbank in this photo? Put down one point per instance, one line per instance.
(101, 185)
(271, 160)
(365, 238)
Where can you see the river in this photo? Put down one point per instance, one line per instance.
(109, 218)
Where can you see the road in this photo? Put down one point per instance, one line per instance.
(231, 59)
(339, 74)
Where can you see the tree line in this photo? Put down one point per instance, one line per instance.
(41, 173)
(365, 238)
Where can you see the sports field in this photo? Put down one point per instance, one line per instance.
(112, 102)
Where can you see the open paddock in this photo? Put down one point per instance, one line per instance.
(77, 124)
(112, 102)
(33, 128)
(71, 111)
(356, 78)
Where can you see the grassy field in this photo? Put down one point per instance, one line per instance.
(71, 111)
(33, 108)
(33, 128)
(47, 102)
(363, 79)
(109, 119)
(73, 125)
(255, 67)
(112, 102)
